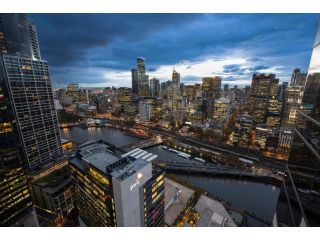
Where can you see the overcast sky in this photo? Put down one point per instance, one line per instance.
(100, 49)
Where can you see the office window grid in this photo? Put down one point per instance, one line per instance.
(31, 92)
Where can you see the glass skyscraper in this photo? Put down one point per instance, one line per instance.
(143, 79)
(15, 197)
(29, 130)
(300, 195)
(263, 95)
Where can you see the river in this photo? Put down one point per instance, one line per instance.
(256, 197)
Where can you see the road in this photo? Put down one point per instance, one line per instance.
(224, 148)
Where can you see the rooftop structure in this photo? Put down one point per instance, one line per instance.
(212, 214)
(176, 198)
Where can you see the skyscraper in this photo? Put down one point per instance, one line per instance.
(117, 190)
(134, 78)
(189, 93)
(29, 134)
(211, 89)
(176, 80)
(13, 180)
(281, 90)
(143, 79)
(154, 87)
(301, 188)
(18, 36)
(263, 94)
(225, 90)
(145, 111)
(31, 93)
(291, 105)
(298, 78)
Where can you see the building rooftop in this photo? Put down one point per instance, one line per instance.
(212, 214)
(222, 100)
(55, 178)
(105, 158)
(176, 198)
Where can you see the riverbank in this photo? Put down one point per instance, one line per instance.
(254, 197)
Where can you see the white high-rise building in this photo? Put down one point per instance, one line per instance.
(145, 111)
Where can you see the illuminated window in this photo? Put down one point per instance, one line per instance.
(26, 67)
(99, 177)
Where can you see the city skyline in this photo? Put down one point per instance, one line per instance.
(121, 156)
(102, 50)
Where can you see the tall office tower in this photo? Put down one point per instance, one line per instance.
(189, 92)
(180, 89)
(73, 87)
(235, 88)
(247, 93)
(145, 111)
(221, 109)
(225, 90)
(30, 132)
(117, 190)
(154, 87)
(302, 184)
(274, 113)
(130, 112)
(73, 90)
(15, 199)
(311, 95)
(124, 95)
(143, 79)
(163, 90)
(198, 89)
(18, 36)
(242, 130)
(291, 105)
(134, 78)
(176, 80)
(141, 66)
(211, 87)
(281, 90)
(263, 89)
(298, 78)
(175, 77)
(30, 89)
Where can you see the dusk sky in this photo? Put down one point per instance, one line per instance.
(100, 49)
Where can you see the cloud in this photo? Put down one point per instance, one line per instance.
(102, 48)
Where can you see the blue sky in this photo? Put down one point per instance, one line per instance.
(100, 49)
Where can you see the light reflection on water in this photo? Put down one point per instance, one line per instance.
(257, 197)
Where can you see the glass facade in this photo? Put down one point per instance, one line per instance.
(29, 130)
(93, 197)
(154, 200)
(30, 89)
(18, 36)
(143, 79)
(263, 95)
(300, 193)
(134, 79)
(14, 192)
